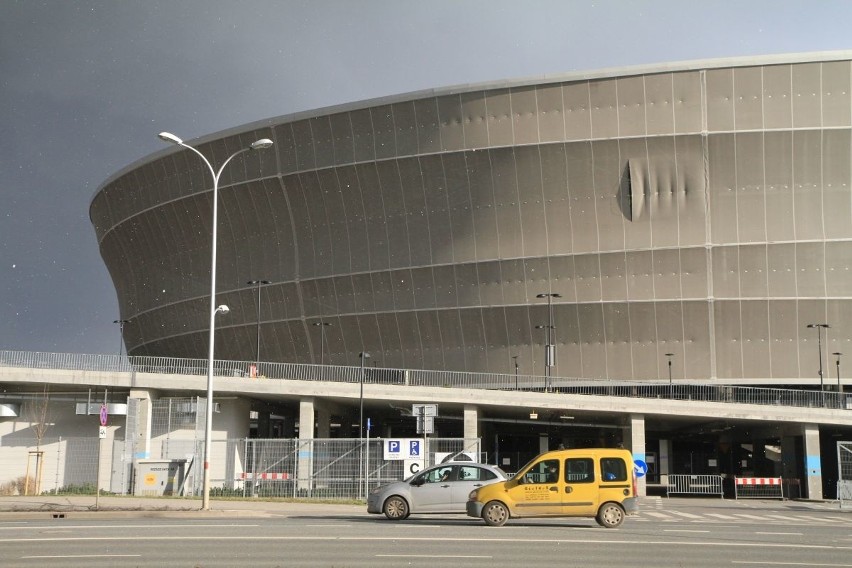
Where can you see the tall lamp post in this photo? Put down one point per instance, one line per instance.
(120, 323)
(363, 355)
(671, 387)
(549, 348)
(322, 325)
(819, 327)
(838, 354)
(258, 283)
(208, 429)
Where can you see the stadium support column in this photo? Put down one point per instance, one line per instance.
(635, 441)
(305, 451)
(140, 429)
(471, 423)
(813, 461)
(323, 420)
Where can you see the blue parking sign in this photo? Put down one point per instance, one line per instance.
(393, 446)
(414, 448)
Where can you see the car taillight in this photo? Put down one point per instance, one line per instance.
(634, 483)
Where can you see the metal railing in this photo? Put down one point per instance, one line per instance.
(701, 392)
(701, 484)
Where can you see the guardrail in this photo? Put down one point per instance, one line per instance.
(702, 484)
(702, 392)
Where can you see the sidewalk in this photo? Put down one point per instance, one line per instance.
(129, 506)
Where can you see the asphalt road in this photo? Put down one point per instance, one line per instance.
(664, 535)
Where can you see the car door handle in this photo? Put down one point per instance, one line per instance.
(445, 486)
(554, 489)
(477, 485)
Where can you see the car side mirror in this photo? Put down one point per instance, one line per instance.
(418, 482)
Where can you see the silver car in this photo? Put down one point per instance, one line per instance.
(441, 488)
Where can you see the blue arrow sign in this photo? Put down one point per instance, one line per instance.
(640, 467)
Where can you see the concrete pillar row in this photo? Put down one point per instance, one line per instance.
(635, 442)
(143, 400)
(471, 422)
(813, 461)
(305, 450)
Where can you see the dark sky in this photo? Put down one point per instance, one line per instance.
(85, 86)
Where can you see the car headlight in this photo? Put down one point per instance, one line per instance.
(473, 494)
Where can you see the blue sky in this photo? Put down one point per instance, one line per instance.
(85, 87)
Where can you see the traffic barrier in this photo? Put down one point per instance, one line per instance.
(703, 484)
(758, 488)
(270, 476)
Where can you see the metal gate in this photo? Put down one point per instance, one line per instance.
(844, 474)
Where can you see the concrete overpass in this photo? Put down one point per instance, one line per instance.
(630, 413)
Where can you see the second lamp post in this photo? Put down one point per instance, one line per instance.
(549, 347)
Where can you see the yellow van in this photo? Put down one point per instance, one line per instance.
(593, 482)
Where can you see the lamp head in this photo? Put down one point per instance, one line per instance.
(170, 138)
(260, 144)
(223, 309)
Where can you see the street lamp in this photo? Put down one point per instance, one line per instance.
(208, 430)
(549, 348)
(671, 387)
(838, 354)
(258, 283)
(120, 323)
(363, 355)
(322, 325)
(819, 327)
(515, 359)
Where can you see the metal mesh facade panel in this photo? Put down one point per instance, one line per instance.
(704, 210)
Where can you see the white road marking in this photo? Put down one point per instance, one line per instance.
(100, 527)
(685, 531)
(782, 533)
(776, 563)
(687, 515)
(429, 556)
(83, 556)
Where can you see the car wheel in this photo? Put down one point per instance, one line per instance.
(610, 515)
(495, 514)
(396, 508)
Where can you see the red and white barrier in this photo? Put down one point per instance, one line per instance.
(269, 476)
(759, 487)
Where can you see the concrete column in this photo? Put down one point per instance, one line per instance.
(323, 417)
(471, 422)
(664, 461)
(142, 399)
(306, 445)
(636, 443)
(813, 461)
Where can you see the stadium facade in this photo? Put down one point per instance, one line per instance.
(699, 209)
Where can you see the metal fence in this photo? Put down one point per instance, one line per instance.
(702, 484)
(844, 474)
(315, 468)
(450, 379)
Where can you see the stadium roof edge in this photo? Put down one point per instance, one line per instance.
(587, 75)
